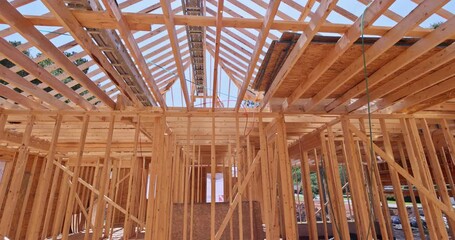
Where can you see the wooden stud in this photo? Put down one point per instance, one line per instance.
(74, 182)
(309, 203)
(16, 180)
(44, 182)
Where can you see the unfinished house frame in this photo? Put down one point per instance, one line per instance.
(226, 119)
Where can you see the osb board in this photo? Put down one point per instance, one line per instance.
(201, 221)
(317, 50)
(274, 59)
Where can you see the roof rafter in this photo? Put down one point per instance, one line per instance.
(10, 94)
(319, 18)
(406, 104)
(9, 14)
(126, 33)
(420, 13)
(36, 70)
(170, 25)
(416, 86)
(16, 80)
(343, 44)
(416, 50)
(81, 36)
(219, 18)
(263, 34)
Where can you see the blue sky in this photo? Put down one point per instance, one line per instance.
(227, 91)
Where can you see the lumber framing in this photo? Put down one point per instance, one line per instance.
(103, 134)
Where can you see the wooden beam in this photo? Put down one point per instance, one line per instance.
(74, 179)
(126, 33)
(219, 26)
(260, 41)
(81, 36)
(16, 56)
(397, 190)
(14, 96)
(424, 45)
(44, 183)
(371, 14)
(408, 103)
(15, 19)
(405, 82)
(16, 180)
(170, 25)
(30, 88)
(418, 15)
(143, 21)
(405, 174)
(237, 197)
(321, 14)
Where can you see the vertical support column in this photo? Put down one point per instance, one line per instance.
(338, 213)
(321, 193)
(437, 171)
(212, 187)
(380, 205)
(288, 200)
(359, 196)
(402, 212)
(248, 162)
(104, 183)
(155, 205)
(7, 171)
(16, 180)
(186, 177)
(308, 197)
(112, 194)
(25, 199)
(75, 178)
(133, 183)
(413, 144)
(229, 175)
(449, 139)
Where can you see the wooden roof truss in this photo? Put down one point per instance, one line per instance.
(140, 50)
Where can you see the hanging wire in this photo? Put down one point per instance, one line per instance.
(367, 91)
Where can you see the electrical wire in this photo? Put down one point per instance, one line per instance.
(367, 92)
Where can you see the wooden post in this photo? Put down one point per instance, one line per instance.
(288, 200)
(381, 208)
(437, 171)
(212, 176)
(308, 197)
(265, 174)
(186, 177)
(411, 192)
(336, 201)
(236, 200)
(96, 179)
(43, 185)
(321, 193)
(413, 144)
(104, 184)
(231, 226)
(16, 180)
(133, 184)
(248, 161)
(111, 195)
(402, 212)
(74, 179)
(449, 139)
(356, 180)
(6, 177)
(25, 199)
